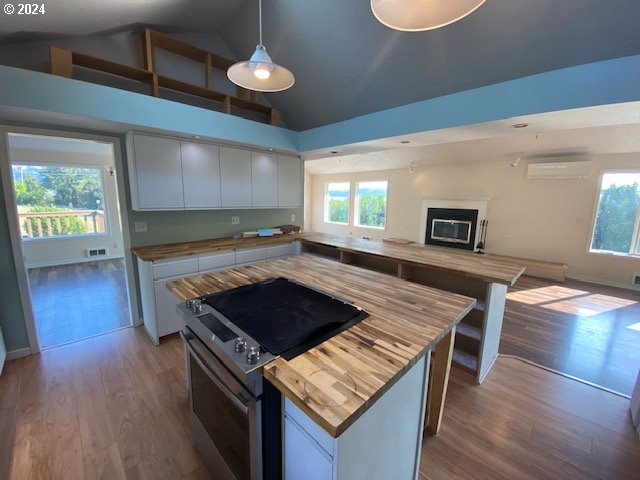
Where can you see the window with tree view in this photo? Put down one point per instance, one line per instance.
(617, 228)
(336, 202)
(59, 201)
(371, 204)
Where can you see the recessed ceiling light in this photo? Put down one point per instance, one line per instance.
(197, 137)
(520, 125)
(271, 149)
(404, 142)
(333, 151)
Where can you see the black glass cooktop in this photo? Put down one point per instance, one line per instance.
(285, 317)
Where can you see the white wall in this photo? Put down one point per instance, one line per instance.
(58, 251)
(543, 219)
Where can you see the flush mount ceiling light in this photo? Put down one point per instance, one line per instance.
(259, 73)
(421, 15)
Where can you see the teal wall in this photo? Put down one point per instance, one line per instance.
(11, 314)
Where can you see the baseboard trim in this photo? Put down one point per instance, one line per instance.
(607, 283)
(566, 375)
(18, 353)
(71, 261)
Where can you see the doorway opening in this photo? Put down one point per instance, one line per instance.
(70, 229)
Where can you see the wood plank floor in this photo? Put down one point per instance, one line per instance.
(71, 302)
(577, 328)
(115, 407)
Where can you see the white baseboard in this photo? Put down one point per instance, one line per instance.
(70, 261)
(18, 353)
(608, 283)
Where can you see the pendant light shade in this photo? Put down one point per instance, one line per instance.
(259, 73)
(420, 15)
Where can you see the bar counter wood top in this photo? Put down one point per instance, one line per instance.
(337, 381)
(464, 263)
(153, 253)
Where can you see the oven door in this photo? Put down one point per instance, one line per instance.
(225, 417)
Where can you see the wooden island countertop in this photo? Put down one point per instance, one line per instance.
(463, 263)
(340, 379)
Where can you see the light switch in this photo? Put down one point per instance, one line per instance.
(140, 227)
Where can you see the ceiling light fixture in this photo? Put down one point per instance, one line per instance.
(259, 73)
(517, 159)
(520, 125)
(404, 142)
(421, 15)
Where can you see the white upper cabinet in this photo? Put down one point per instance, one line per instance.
(200, 175)
(264, 179)
(235, 177)
(289, 181)
(157, 173)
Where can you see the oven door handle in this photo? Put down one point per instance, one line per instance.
(239, 403)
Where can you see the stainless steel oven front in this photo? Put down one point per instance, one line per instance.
(225, 416)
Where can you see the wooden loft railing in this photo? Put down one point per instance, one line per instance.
(63, 61)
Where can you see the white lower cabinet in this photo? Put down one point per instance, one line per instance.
(3, 351)
(159, 304)
(384, 443)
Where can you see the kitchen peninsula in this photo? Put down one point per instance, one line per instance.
(478, 276)
(365, 387)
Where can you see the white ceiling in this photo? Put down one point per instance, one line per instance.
(602, 130)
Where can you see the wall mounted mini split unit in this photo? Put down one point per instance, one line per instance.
(559, 169)
(96, 252)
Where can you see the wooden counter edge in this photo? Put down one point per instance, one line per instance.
(187, 249)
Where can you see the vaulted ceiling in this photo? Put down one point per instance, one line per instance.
(347, 64)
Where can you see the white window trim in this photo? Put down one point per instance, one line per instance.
(635, 240)
(325, 214)
(356, 206)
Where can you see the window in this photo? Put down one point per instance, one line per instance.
(59, 201)
(336, 203)
(371, 204)
(617, 229)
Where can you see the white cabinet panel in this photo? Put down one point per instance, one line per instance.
(169, 321)
(200, 175)
(264, 179)
(315, 431)
(235, 177)
(158, 172)
(276, 251)
(311, 462)
(289, 181)
(250, 255)
(216, 260)
(175, 268)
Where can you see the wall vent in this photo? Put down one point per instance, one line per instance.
(636, 280)
(95, 252)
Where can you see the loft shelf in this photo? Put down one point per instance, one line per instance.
(63, 61)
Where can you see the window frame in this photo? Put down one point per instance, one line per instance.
(326, 203)
(356, 206)
(107, 220)
(635, 239)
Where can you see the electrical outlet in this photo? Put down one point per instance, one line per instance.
(293, 218)
(235, 220)
(140, 227)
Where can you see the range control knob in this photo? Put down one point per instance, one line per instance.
(196, 305)
(253, 355)
(240, 345)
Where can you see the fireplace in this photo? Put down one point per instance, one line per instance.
(451, 227)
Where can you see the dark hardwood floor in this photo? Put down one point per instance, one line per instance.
(589, 331)
(116, 407)
(72, 302)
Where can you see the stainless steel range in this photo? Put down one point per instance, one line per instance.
(228, 338)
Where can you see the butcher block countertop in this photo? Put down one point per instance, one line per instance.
(161, 252)
(462, 263)
(337, 381)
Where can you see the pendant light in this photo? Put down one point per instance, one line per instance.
(259, 73)
(420, 15)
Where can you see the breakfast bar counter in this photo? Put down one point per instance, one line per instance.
(336, 382)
